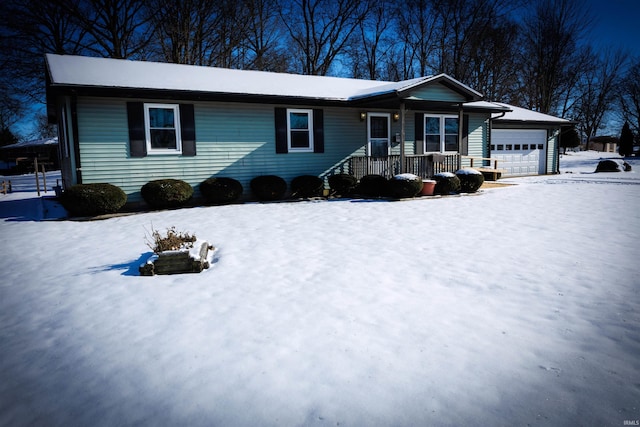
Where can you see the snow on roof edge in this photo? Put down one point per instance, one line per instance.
(519, 114)
(33, 143)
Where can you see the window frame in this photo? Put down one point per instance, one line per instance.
(309, 130)
(442, 123)
(177, 128)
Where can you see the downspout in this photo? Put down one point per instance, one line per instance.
(557, 153)
(76, 142)
(491, 119)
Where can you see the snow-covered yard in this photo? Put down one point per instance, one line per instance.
(518, 306)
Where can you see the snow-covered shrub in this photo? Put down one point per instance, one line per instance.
(470, 180)
(446, 183)
(93, 199)
(613, 165)
(307, 186)
(268, 187)
(373, 186)
(218, 191)
(405, 185)
(342, 184)
(166, 193)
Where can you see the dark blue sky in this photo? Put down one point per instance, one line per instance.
(616, 24)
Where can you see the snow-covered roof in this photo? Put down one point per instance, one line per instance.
(81, 71)
(486, 105)
(518, 114)
(34, 143)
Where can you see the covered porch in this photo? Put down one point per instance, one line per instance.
(422, 165)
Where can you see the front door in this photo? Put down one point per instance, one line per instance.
(378, 134)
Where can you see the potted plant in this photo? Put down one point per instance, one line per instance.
(176, 253)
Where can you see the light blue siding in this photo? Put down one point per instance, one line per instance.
(477, 146)
(436, 92)
(232, 139)
(235, 140)
(477, 134)
(552, 147)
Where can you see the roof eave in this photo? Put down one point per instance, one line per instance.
(153, 93)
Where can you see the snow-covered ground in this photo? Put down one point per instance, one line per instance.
(517, 306)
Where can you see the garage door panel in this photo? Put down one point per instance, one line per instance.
(519, 151)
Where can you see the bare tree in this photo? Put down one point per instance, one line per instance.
(29, 30)
(183, 30)
(416, 25)
(264, 33)
(550, 57)
(321, 29)
(371, 43)
(116, 28)
(599, 92)
(630, 98)
(492, 67)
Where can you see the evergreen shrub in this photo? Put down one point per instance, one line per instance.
(218, 191)
(166, 193)
(470, 180)
(307, 186)
(93, 199)
(405, 185)
(268, 187)
(373, 186)
(613, 165)
(342, 184)
(446, 183)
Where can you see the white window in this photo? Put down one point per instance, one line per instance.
(162, 128)
(441, 133)
(300, 130)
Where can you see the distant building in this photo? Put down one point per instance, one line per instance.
(19, 158)
(605, 144)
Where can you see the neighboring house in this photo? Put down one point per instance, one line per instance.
(19, 158)
(605, 144)
(526, 142)
(129, 122)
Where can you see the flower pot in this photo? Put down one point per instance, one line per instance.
(180, 261)
(428, 186)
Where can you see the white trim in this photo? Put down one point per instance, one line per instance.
(441, 118)
(388, 116)
(176, 121)
(309, 113)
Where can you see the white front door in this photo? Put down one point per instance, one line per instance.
(378, 134)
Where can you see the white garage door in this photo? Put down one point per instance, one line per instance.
(519, 151)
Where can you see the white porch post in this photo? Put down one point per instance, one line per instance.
(402, 135)
(461, 137)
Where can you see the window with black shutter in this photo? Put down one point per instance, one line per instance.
(299, 130)
(158, 128)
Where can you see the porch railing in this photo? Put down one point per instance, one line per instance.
(423, 165)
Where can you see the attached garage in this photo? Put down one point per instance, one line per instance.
(520, 151)
(525, 142)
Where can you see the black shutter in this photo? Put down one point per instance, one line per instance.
(419, 136)
(281, 130)
(318, 131)
(137, 137)
(464, 150)
(188, 130)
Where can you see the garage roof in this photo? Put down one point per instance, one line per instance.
(522, 115)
